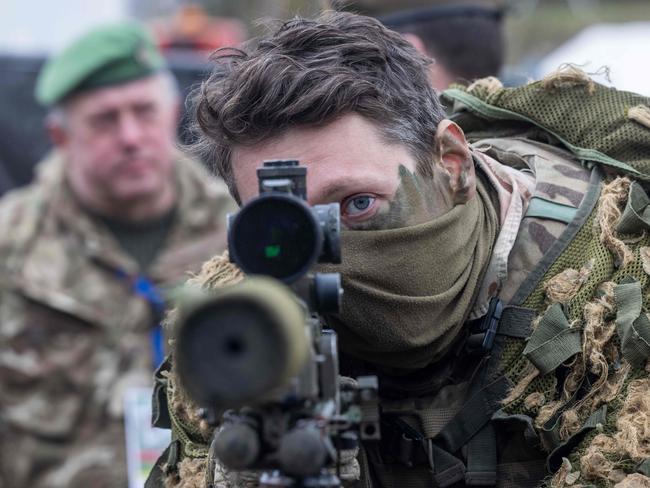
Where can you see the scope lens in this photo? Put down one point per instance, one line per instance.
(275, 235)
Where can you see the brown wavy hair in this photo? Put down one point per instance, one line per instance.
(308, 73)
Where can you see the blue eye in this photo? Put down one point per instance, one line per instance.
(358, 205)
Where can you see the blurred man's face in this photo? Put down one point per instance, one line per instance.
(118, 142)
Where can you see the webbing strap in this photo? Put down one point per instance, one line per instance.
(643, 467)
(159, 408)
(632, 325)
(401, 477)
(188, 446)
(448, 469)
(516, 322)
(553, 341)
(564, 449)
(550, 431)
(548, 209)
(521, 474)
(476, 412)
(434, 419)
(482, 458)
(636, 216)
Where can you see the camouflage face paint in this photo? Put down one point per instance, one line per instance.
(416, 201)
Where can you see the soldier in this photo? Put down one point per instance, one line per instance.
(431, 27)
(496, 289)
(116, 217)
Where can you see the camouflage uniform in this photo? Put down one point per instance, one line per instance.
(532, 172)
(74, 333)
(565, 385)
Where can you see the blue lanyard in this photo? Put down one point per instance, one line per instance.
(146, 289)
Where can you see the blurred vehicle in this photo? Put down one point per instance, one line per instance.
(192, 29)
(614, 53)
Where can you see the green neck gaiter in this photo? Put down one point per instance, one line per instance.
(408, 291)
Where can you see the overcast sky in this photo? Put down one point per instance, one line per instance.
(622, 48)
(46, 25)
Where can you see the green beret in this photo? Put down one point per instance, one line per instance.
(106, 56)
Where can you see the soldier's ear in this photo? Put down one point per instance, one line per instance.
(417, 42)
(439, 76)
(57, 133)
(454, 158)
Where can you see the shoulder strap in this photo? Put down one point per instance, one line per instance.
(547, 209)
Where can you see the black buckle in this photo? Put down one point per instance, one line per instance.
(400, 442)
(484, 330)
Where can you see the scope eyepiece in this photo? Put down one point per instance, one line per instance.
(278, 234)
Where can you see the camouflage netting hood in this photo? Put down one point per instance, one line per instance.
(582, 376)
(567, 108)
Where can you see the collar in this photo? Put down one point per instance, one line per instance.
(514, 190)
(193, 210)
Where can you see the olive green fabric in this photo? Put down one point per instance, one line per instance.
(141, 240)
(589, 119)
(109, 55)
(596, 124)
(633, 284)
(553, 341)
(633, 326)
(400, 309)
(636, 216)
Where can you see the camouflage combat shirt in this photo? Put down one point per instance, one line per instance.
(521, 172)
(73, 333)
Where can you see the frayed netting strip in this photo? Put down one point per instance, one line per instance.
(610, 205)
(529, 374)
(564, 286)
(598, 353)
(217, 272)
(185, 410)
(630, 441)
(634, 480)
(190, 474)
(490, 84)
(567, 76)
(633, 423)
(597, 356)
(640, 114)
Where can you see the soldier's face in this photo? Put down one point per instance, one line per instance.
(119, 141)
(376, 183)
(348, 162)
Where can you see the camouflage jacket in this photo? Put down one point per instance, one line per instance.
(533, 241)
(73, 332)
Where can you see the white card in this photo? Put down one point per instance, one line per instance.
(144, 443)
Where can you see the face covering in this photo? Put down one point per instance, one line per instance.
(408, 290)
